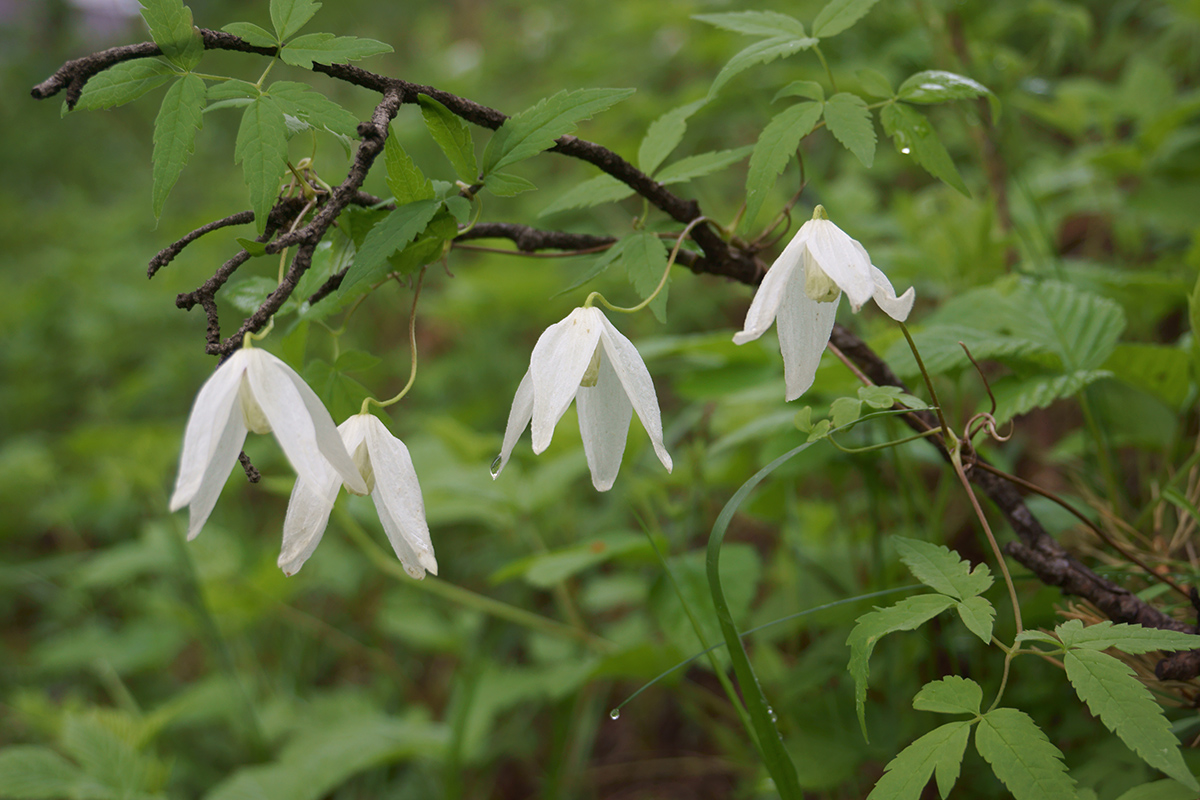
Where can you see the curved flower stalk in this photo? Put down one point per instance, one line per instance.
(801, 292)
(585, 359)
(383, 463)
(254, 391)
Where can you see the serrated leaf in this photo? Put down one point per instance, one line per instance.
(30, 772)
(1128, 709)
(664, 135)
(505, 184)
(123, 83)
(261, 149)
(914, 136)
(1016, 396)
(452, 135)
(170, 23)
(1022, 757)
(405, 179)
(299, 100)
(775, 147)
(1128, 638)
(175, 128)
(760, 53)
(810, 89)
(606, 260)
(978, 615)
(645, 259)
(849, 120)
(697, 166)
(248, 295)
(289, 16)
(845, 410)
(1037, 636)
(938, 86)
(537, 128)
(754, 23)
(325, 48)
(603, 188)
(941, 569)
(232, 90)
(395, 231)
(427, 248)
(1165, 789)
(906, 775)
(839, 15)
(875, 83)
(910, 613)
(253, 34)
(1160, 370)
(950, 695)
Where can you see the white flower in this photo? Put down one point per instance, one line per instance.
(585, 359)
(254, 390)
(801, 292)
(383, 462)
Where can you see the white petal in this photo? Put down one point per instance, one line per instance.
(897, 308)
(306, 520)
(398, 500)
(604, 416)
(518, 421)
(843, 259)
(216, 473)
(804, 326)
(771, 291)
(559, 359)
(631, 371)
(210, 413)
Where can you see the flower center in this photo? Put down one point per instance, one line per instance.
(252, 412)
(362, 461)
(817, 285)
(592, 373)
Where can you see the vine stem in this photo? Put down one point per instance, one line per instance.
(412, 346)
(594, 296)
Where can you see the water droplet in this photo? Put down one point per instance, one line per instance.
(495, 468)
(615, 713)
(904, 150)
(771, 711)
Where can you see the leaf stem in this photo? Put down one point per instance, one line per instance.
(412, 346)
(594, 296)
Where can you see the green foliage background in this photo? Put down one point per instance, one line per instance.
(133, 665)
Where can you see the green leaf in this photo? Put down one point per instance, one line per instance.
(941, 569)
(697, 166)
(645, 258)
(849, 121)
(754, 23)
(253, 34)
(289, 16)
(760, 53)
(1165, 789)
(875, 83)
(254, 248)
(30, 772)
(1022, 757)
(1016, 396)
(123, 83)
(179, 118)
(938, 86)
(233, 89)
(248, 294)
(664, 135)
(775, 147)
(452, 135)
(1037, 636)
(908, 614)
(606, 260)
(1193, 323)
(537, 128)
(595, 191)
(845, 410)
(299, 100)
(405, 179)
(950, 695)
(978, 615)
(325, 48)
(1127, 708)
(505, 184)
(1128, 638)
(262, 150)
(907, 774)
(839, 15)
(428, 247)
(1160, 370)
(396, 230)
(170, 23)
(914, 136)
(810, 89)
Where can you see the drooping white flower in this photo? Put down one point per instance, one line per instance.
(254, 391)
(801, 292)
(384, 464)
(585, 359)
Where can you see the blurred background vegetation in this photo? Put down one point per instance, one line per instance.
(135, 665)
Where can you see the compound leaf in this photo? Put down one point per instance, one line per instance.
(907, 774)
(1125, 637)
(941, 569)
(849, 121)
(179, 118)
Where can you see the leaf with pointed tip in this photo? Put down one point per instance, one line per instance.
(754, 23)
(390, 235)
(664, 135)
(1022, 757)
(1127, 708)
(810, 89)
(289, 16)
(849, 120)
(537, 128)
(606, 260)
(941, 569)
(939, 86)
(1165, 789)
(978, 615)
(941, 749)
(1037, 636)
(31, 771)
(775, 147)
(179, 118)
(170, 23)
(760, 52)
(262, 150)
(645, 258)
(950, 695)
(252, 34)
(839, 15)
(325, 48)
(452, 135)
(685, 169)
(875, 83)
(603, 188)
(1128, 638)
(505, 184)
(913, 135)
(123, 83)
(232, 89)
(405, 179)
(299, 100)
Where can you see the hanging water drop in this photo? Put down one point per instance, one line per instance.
(615, 714)
(904, 150)
(495, 468)
(771, 711)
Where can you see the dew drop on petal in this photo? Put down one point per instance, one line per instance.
(495, 468)
(614, 714)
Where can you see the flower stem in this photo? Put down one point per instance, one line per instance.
(594, 296)
(412, 345)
